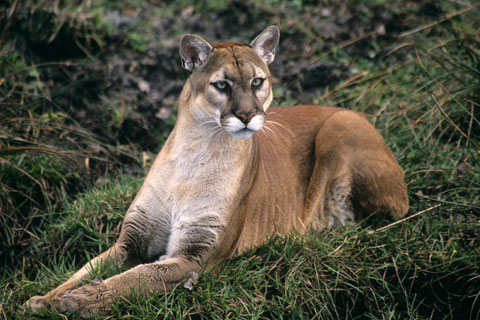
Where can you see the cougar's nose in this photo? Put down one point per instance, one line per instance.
(245, 117)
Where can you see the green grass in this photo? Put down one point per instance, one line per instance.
(427, 268)
(421, 91)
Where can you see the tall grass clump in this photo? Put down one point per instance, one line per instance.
(46, 155)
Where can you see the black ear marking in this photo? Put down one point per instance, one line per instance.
(194, 51)
(265, 43)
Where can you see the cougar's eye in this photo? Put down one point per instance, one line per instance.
(220, 85)
(257, 82)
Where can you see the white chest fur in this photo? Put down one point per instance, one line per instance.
(197, 171)
(195, 181)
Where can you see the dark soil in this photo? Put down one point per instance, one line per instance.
(149, 79)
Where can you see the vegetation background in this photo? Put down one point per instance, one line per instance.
(88, 94)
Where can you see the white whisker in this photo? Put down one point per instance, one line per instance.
(270, 130)
(219, 129)
(280, 125)
(207, 123)
(213, 129)
(273, 112)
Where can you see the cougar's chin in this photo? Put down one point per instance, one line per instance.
(242, 134)
(239, 130)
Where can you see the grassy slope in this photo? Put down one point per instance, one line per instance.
(426, 267)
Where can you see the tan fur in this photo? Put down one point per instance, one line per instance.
(218, 188)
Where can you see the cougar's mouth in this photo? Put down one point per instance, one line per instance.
(241, 130)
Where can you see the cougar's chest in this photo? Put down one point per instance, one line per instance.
(196, 178)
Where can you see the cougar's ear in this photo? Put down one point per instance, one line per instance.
(194, 51)
(265, 43)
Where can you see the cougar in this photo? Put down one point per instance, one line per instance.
(234, 172)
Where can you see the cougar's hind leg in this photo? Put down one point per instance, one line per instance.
(114, 256)
(328, 198)
(379, 187)
(362, 162)
(338, 206)
(329, 193)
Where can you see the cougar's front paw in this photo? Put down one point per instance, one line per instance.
(89, 300)
(35, 304)
(38, 303)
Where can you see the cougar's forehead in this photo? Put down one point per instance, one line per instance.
(237, 63)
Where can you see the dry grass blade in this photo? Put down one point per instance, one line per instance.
(404, 219)
(450, 121)
(432, 24)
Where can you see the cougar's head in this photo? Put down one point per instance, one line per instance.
(230, 82)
